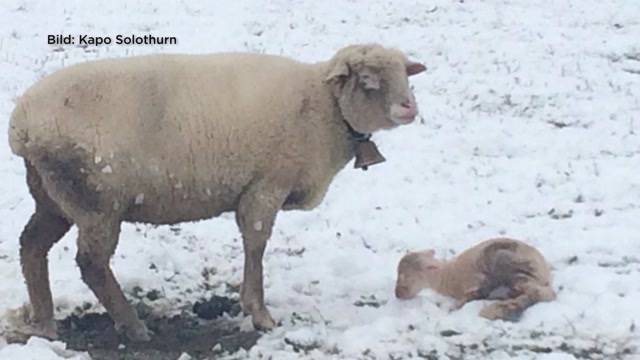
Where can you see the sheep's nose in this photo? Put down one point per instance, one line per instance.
(404, 112)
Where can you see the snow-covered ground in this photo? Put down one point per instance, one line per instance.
(530, 128)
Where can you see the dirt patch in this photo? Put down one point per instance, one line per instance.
(184, 333)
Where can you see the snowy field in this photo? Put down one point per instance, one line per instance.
(529, 128)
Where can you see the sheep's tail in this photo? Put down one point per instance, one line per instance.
(18, 135)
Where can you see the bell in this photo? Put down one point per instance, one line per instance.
(367, 154)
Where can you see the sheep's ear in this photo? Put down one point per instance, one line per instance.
(414, 68)
(429, 253)
(338, 72)
(369, 78)
(431, 265)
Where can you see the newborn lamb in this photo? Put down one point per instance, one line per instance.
(504, 269)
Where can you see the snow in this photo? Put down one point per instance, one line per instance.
(41, 349)
(529, 128)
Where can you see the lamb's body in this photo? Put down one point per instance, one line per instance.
(170, 138)
(502, 268)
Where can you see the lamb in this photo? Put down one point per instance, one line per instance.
(500, 268)
(164, 139)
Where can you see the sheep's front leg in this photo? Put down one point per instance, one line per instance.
(255, 216)
(97, 241)
(469, 295)
(479, 289)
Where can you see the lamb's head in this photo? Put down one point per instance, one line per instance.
(371, 85)
(416, 271)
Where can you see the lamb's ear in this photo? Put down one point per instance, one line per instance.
(431, 265)
(369, 78)
(338, 71)
(429, 253)
(414, 68)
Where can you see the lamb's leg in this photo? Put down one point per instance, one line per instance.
(526, 294)
(42, 231)
(480, 290)
(255, 216)
(469, 295)
(97, 241)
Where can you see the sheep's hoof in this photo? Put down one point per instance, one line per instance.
(23, 333)
(47, 331)
(501, 311)
(21, 326)
(262, 320)
(489, 313)
(137, 332)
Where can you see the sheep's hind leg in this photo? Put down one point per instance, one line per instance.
(45, 227)
(255, 216)
(526, 294)
(42, 231)
(97, 241)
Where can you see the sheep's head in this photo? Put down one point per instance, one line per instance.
(416, 271)
(371, 86)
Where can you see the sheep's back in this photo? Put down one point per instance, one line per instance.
(196, 126)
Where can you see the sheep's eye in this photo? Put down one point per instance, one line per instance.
(368, 92)
(366, 87)
(369, 82)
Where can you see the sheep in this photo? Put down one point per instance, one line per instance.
(502, 268)
(164, 139)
